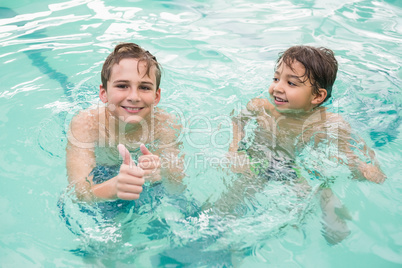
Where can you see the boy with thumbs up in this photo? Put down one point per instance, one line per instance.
(99, 137)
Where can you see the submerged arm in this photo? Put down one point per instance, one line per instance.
(254, 109)
(369, 170)
(336, 136)
(80, 155)
(334, 216)
(238, 158)
(172, 160)
(80, 158)
(360, 158)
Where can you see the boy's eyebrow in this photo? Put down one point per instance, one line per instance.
(127, 81)
(146, 82)
(120, 81)
(292, 76)
(296, 77)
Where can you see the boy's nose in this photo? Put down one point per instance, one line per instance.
(278, 87)
(133, 95)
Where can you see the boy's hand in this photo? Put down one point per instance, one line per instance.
(239, 162)
(130, 179)
(371, 172)
(150, 163)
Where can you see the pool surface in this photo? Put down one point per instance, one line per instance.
(216, 56)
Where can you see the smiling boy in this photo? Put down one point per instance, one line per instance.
(291, 120)
(129, 119)
(294, 117)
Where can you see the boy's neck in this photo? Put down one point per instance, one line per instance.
(130, 132)
(298, 115)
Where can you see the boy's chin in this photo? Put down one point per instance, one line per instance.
(132, 119)
(290, 110)
(283, 110)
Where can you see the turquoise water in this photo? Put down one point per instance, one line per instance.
(216, 56)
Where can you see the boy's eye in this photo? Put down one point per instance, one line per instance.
(275, 79)
(121, 86)
(291, 84)
(145, 88)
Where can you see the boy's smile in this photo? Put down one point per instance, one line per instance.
(133, 110)
(290, 89)
(131, 94)
(279, 101)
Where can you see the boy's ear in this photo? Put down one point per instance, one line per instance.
(320, 96)
(103, 94)
(157, 96)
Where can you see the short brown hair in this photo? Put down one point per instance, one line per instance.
(319, 63)
(133, 51)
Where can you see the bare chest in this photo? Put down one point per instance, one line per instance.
(278, 134)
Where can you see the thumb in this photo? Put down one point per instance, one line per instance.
(144, 150)
(125, 154)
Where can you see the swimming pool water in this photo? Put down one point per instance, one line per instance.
(216, 56)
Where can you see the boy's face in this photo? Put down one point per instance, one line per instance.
(289, 92)
(131, 94)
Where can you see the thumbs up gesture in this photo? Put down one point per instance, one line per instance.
(130, 179)
(150, 164)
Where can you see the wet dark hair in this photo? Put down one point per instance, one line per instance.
(319, 63)
(133, 51)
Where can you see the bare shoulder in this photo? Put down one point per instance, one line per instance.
(258, 104)
(167, 126)
(324, 123)
(333, 118)
(321, 117)
(86, 120)
(84, 126)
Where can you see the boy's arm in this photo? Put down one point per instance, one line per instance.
(369, 170)
(240, 121)
(334, 216)
(238, 133)
(173, 167)
(239, 159)
(80, 163)
(80, 155)
(80, 158)
(171, 158)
